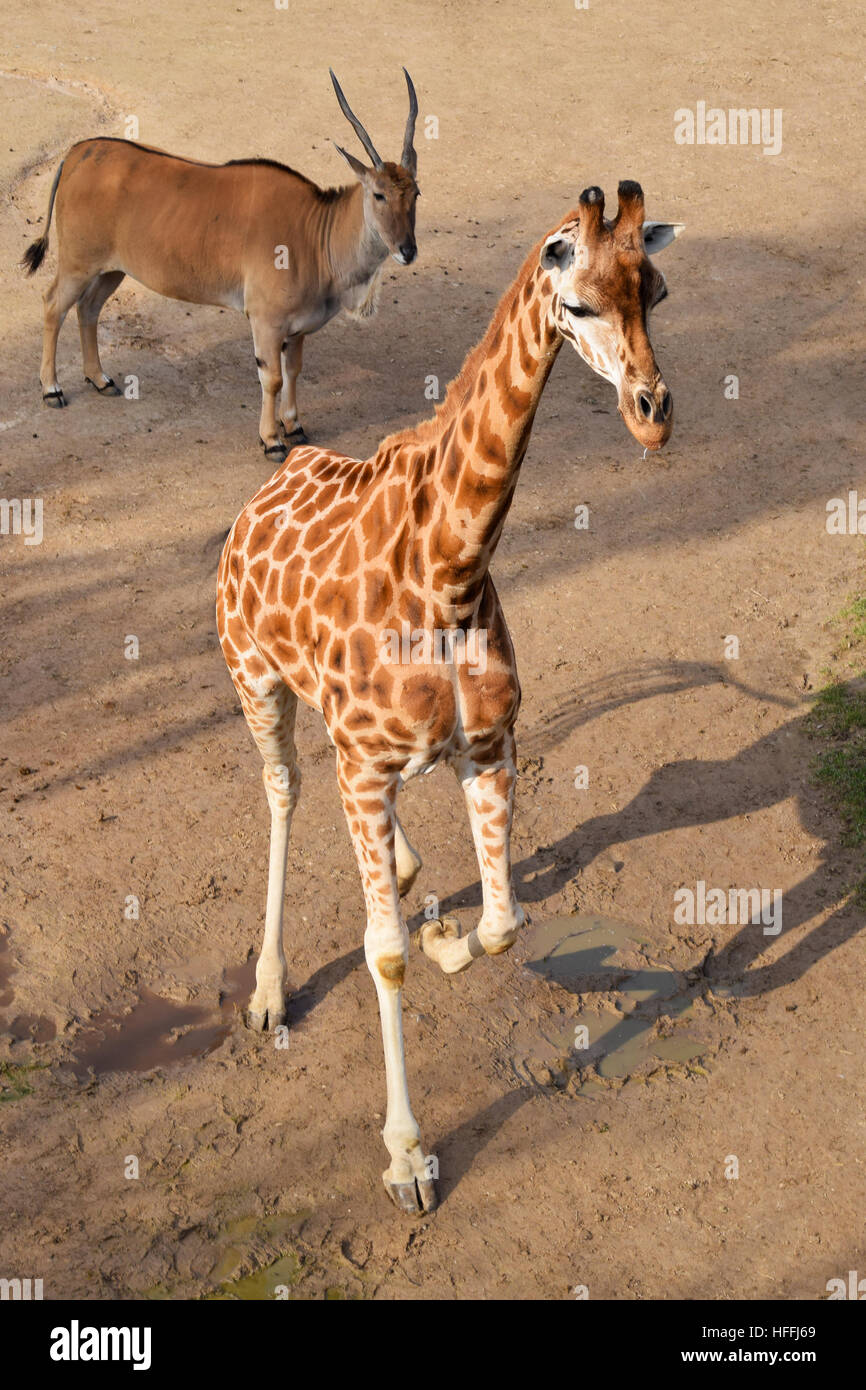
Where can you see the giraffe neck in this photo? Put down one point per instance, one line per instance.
(484, 438)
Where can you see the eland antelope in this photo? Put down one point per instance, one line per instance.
(250, 234)
(335, 557)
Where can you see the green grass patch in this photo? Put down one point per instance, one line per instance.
(14, 1083)
(838, 719)
(855, 614)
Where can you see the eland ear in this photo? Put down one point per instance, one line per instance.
(658, 235)
(354, 164)
(556, 253)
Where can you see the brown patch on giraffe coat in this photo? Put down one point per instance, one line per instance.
(398, 551)
(382, 688)
(392, 969)
(412, 609)
(338, 598)
(513, 401)
(290, 589)
(362, 656)
(305, 634)
(422, 507)
(378, 597)
(444, 543)
(285, 544)
(257, 574)
(398, 731)
(427, 701)
(358, 719)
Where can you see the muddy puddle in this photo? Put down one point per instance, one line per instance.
(632, 1011)
(255, 1261)
(159, 1032)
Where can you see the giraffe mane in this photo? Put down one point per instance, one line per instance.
(434, 425)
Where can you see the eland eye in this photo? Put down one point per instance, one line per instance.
(380, 197)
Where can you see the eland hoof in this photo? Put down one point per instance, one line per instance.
(277, 453)
(414, 1197)
(296, 436)
(55, 399)
(109, 389)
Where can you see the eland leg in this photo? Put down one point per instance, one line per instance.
(292, 358)
(267, 340)
(62, 293)
(89, 308)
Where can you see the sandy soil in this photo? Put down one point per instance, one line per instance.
(121, 777)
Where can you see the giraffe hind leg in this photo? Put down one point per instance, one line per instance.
(270, 712)
(408, 860)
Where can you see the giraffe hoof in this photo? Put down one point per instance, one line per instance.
(414, 1197)
(434, 934)
(439, 927)
(265, 1021)
(441, 942)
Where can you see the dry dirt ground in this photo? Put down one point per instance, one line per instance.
(260, 1166)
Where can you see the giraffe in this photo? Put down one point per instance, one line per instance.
(335, 557)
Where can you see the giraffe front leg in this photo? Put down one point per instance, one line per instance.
(368, 800)
(489, 792)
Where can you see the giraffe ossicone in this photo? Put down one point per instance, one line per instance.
(333, 552)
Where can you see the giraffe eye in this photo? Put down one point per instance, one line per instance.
(580, 311)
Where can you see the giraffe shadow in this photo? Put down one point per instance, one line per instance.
(678, 795)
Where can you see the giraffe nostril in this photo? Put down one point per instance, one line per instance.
(667, 405)
(645, 402)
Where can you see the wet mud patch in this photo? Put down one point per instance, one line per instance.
(249, 1259)
(632, 1016)
(159, 1032)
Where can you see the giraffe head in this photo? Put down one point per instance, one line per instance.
(390, 190)
(603, 286)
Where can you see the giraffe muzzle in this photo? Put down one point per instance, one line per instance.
(648, 412)
(655, 407)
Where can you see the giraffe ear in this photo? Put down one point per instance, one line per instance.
(658, 235)
(557, 253)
